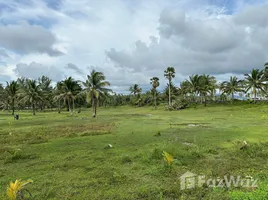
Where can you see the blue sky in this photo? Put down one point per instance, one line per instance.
(131, 41)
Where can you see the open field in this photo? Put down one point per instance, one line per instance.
(67, 156)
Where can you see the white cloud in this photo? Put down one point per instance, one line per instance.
(35, 70)
(131, 41)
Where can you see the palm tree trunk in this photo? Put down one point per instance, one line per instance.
(255, 94)
(155, 100)
(13, 109)
(93, 106)
(205, 100)
(59, 109)
(169, 94)
(33, 105)
(232, 97)
(73, 104)
(96, 103)
(69, 107)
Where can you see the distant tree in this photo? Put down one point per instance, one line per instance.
(192, 85)
(171, 91)
(58, 94)
(31, 93)
(265, 71)
(207, 86)
(254, 81)
(155, 83)
(169, 73)
(45, 85)
(135, 89)
(68, 89)
(94, 86)
(12, 89)
(3, 97)
(232, 86)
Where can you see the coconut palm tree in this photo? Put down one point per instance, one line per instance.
(155, 83)
(232, 86)
(45, 85)
(265, 71)
(169, 73)
(135, 89)
(31, 93)
(68, 89)
(57, 92)
(174, 91)
(3, 97)
(207, 86)
(94, 86)
(12, 89)
(255, 82)
(192, 85)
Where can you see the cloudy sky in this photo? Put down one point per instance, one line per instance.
(131, 40)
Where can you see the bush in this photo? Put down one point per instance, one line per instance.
(178, 105)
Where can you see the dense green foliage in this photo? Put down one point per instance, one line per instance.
(94, 92)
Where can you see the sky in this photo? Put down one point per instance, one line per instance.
(131, 41)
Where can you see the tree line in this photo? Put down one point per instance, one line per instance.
(203, 88)
(70, 94)
(39, 94)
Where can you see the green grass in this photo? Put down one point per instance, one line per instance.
(68, 157)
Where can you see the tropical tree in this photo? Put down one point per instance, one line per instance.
(58, 91)
(255, 82)
(45, 85)
(207, 86)
(192, 85)
(3, 97)
(68, 89)
(171, 91)
(155, 83)
(31, 93)
(232, 86)
(265, 71)
(12, 89)
(169, 73)
(94, 86)
(135, 89)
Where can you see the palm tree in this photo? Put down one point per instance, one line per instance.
(192, 85)
(31, 93)
(169, 73)
(94, 87)
(171, 91)
(155, 83)
(3, 97)
(265, 71)
(207, 86)
(135, 89)
(232, 86)
(255, 82)
(68, 89)
(58, 90)
(12, 89)
(45, 85)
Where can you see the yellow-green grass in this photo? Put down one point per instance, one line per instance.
(68, 157)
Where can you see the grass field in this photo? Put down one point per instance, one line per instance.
(68, 157)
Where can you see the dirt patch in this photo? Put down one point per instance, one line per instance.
(191, 124)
